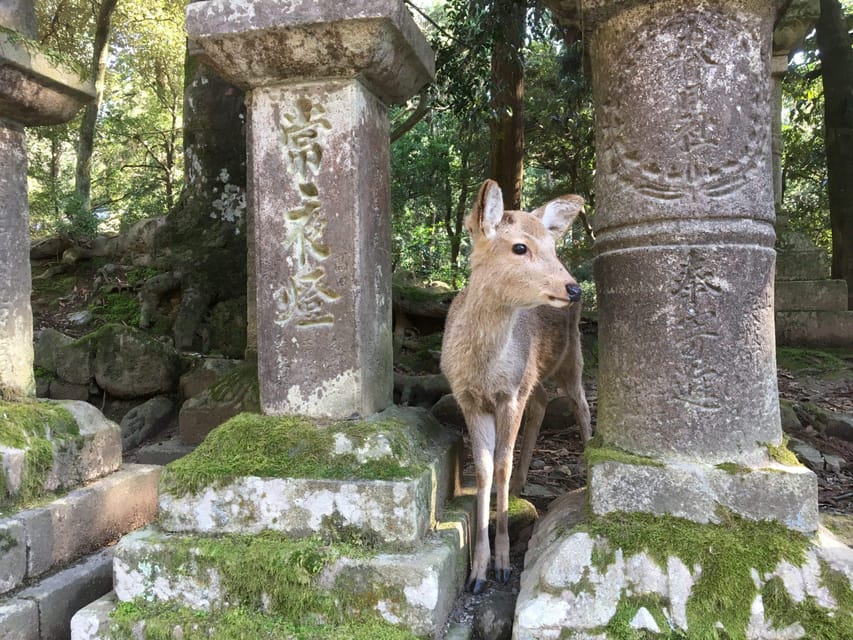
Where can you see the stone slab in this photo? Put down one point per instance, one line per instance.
(566, 593)
(92, 621)
(19, 620)
(263, 43)
(415, 588)
(787, 494)
(13, 554)
(815, 328)
(33, 89)
(811, 295)
(61, 595)
(162, 452)
(99, 455)
(89, 518)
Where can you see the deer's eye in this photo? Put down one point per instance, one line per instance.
(519, 249)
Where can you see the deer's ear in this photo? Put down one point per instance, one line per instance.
(558, 215)
(487, 212)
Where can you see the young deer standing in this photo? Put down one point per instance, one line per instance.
(515, 324)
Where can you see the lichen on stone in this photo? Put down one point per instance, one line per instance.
(597, 452)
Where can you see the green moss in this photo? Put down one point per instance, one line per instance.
(816, 361)
(271, 573)
(116, 307)
(138, 275)
(36, 427)
(726, 552)
(782, 611)
(7, 542)
(596, 452)
(292, 447)
(733, 468)
(782, 454)
(239, 624)
(619, 627)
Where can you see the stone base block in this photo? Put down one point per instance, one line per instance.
(648, 576)
(784, 493)
(811, 295)
(56, 599)
(414, 588)
(394, 510)
(101, 451)
(814, 328)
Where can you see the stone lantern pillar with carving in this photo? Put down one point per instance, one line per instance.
(318, 77)
(688, 433)
(33, 91)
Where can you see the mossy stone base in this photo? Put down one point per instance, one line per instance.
(50, 446)
(630, 576)
(781, 492)
(384, 478)
(299, 580)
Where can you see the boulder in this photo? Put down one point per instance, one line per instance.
(146, 420)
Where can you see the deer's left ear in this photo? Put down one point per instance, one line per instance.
(558, 215)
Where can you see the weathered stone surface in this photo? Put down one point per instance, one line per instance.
(694, 491)
(162, 452)
(447, 411)
(494, 615)
(203, 376)
(130, 364)
(201, 414)
(20, 16)
(389, 510)
(146, 420)
(89, 518)
(374, 40)
(61, 390)
(92, 622)
(13, 554)
(19, 620)
(814, 459)
(61, 595)
(811, 295)
(99, 454)
(33, 90)
(416, 589)
(815, 328)
(16, 322)
(46, 345)
(73, 362)
(568, 591)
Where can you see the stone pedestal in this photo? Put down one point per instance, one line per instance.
(318, 77)
(32, 91)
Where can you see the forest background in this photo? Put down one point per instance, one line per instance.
(512, 101)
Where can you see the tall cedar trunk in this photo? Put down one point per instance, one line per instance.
(836, 58)
(86, 142)
(206, 231)
(506, 154)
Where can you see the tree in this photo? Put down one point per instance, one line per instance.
(86, 139)
(506, 153)
(836, 57)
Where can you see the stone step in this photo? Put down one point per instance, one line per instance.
(814, 328)
(398, 510)
(414, 587)
(59, 459)
(47, 537)
(44, 610)
(811, 295)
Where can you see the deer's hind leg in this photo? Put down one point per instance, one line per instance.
(570, 378)
(531, 423)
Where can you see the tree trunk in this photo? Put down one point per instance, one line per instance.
(86, 142)
(506, 154)
(836, 58)
(205, 234)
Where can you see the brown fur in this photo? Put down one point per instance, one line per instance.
(511, 327)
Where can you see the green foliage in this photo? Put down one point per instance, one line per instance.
(116, 307)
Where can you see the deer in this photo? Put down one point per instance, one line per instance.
(515, 324)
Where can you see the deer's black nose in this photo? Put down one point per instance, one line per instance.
(574, 292)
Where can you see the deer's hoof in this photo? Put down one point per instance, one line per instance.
(476, 586)
(503, 575)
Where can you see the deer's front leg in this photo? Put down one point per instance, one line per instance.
(508, 423)
(481, 428)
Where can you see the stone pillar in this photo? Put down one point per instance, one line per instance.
(318, 76)
(32, 91)
(685, 261)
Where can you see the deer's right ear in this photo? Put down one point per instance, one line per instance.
(488, 210)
